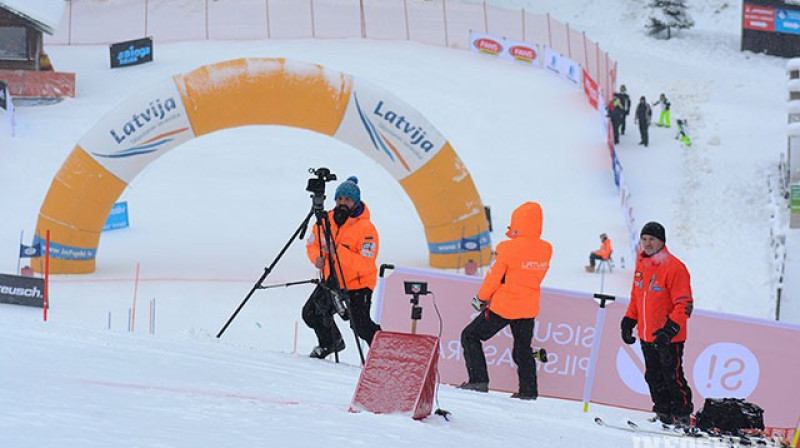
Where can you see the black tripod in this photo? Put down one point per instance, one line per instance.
(337, 291)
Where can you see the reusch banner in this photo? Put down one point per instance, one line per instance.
(726, 355)
(118, 218)
(18, 290)
(132, 52)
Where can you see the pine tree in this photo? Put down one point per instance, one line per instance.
(666, 15)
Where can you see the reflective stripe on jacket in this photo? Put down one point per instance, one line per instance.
(357, 247)
(661, 289)
(512, 285)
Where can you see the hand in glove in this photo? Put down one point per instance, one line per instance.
(626, 326)
(665, 334)
(479, 304)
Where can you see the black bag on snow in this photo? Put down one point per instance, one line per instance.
(729, 415)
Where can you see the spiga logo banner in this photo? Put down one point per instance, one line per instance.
(388, 130)
(148, 125)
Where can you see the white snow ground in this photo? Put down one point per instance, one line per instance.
(209, 216)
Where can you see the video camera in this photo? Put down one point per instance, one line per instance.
(316, 185)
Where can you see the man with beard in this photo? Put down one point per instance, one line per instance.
(353, 252)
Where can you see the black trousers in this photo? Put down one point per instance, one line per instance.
(664, 375)
(318, 315)
(593, 257)
(482, 328)
(643, 133)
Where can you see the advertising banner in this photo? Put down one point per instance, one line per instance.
(486, 43)
(787, 21)
(590, 88)
(18, 290)
(571, 70)
(760, 18)
(118, 218)
(726, 355)
(504, 48)
(565, 328)
(131, 52)
(552, 60)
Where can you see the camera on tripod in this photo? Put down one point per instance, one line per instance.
(316, 185)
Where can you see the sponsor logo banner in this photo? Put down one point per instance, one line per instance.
(486, 43)
(787, 21)
(388, 130)
(552, 60)
(65, 252)
(18, 290)
(131, 52)
(504, 48)
(30, 251)
(142, 129)
(760, 18)
(571, 70)
(118, 218)
(590, 88)
(725, 355)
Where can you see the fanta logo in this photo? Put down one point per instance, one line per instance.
(524, 53)
(488, 46)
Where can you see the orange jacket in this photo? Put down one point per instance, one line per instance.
(520, 264)
(356, 247)
(605, 249)
(661, 290)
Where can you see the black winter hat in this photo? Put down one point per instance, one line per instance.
(654, 229)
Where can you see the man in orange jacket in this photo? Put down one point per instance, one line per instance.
(354, 259)
(509, 295)
(604, 253)
(660, 306)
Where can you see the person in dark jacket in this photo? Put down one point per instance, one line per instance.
(616, 114)
(642, 117)
(626, 107)
(660, 307)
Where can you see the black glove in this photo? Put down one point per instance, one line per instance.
(665, 334)
(627, 325)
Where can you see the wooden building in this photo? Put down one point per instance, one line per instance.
(21, 41)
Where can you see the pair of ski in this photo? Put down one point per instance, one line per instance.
(690, 432)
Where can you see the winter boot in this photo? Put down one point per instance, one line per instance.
(321, 352)
(477, 387)
(589, 268)
(525, 396)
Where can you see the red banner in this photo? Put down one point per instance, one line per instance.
(590, 88)
(760, 18)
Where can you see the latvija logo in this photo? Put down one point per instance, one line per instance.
(156, 111)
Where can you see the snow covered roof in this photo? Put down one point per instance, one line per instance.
(44, 14)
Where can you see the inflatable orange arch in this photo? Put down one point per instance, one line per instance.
(252, 91)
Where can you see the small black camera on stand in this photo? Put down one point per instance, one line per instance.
(415, 289)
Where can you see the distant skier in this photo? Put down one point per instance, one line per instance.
(642, 117)
(663, 119)
(683, 133)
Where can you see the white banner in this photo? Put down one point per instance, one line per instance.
(486, 43)
(552, 60)
(504, 48)
(571, 70)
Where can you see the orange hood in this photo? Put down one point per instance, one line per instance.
(526, 221)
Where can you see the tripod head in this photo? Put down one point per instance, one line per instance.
(316, 185)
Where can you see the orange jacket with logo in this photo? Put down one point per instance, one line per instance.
(661, 290)
(512, 285)
(356, 247)
(605, 249)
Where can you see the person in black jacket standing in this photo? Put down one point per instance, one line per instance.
(642, 117)
(625, 100)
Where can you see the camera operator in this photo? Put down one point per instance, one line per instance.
(356, 247)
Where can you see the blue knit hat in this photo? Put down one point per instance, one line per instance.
(349, 188)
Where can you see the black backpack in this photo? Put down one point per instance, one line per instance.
(729, 415)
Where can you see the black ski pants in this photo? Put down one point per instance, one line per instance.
(319, 309)
(664, 375)
(643, 132)
(482, 328)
